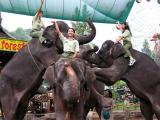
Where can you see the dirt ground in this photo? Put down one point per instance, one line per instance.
(116, 115)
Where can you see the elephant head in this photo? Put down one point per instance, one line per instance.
(106, 55)
(67, 76)
(87, 52)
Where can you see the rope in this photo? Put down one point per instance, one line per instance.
(33, 57)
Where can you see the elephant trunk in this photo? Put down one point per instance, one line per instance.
(88, 38)
(71, 87)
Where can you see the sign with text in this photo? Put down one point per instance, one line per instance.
(11, 44)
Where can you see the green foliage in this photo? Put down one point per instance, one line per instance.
(81, 28)
(85, 13)
(146, 49)
(155, 54)
(22, 34)
(76, 14)
(120, 84)
(115, 94)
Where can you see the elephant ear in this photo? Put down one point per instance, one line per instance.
(49, 75)
(117, 50)
(90, 75)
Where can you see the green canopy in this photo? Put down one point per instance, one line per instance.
(103, 11)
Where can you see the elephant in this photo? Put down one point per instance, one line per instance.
(95, 99)
(22, 75)
(58, 76)
(142, 78)
(68, 77)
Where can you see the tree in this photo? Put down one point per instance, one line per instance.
(146, 49)
(22, 34)
(81, 28)
(119, 89)
(120, 84)
(156, 53)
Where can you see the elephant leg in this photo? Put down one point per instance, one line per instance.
(98, 110)
(86, 110)
(74, 116)
(76, 113)
(158, 115)
(60, 115)
(60, 109)
(146, 110)
(156, 109)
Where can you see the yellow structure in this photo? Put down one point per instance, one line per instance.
(11, 44)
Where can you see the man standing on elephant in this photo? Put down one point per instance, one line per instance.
(70, 44)
(126, 37)
(37, 25)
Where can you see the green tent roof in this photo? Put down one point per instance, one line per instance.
(103, 11)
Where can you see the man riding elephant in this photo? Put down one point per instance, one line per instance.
(38, 25)
(70, 44)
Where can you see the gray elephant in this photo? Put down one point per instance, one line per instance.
(95, 99)
(143, 78)
(68, 77)
(22, 75)
(89, 98)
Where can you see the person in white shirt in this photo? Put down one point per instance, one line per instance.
(70, 44)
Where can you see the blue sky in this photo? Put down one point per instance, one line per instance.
(144, 20)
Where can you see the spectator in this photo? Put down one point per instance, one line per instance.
(126, 108)
(90, 115)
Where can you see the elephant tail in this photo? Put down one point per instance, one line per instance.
(71, 87)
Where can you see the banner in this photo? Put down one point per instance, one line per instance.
(11, 44)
